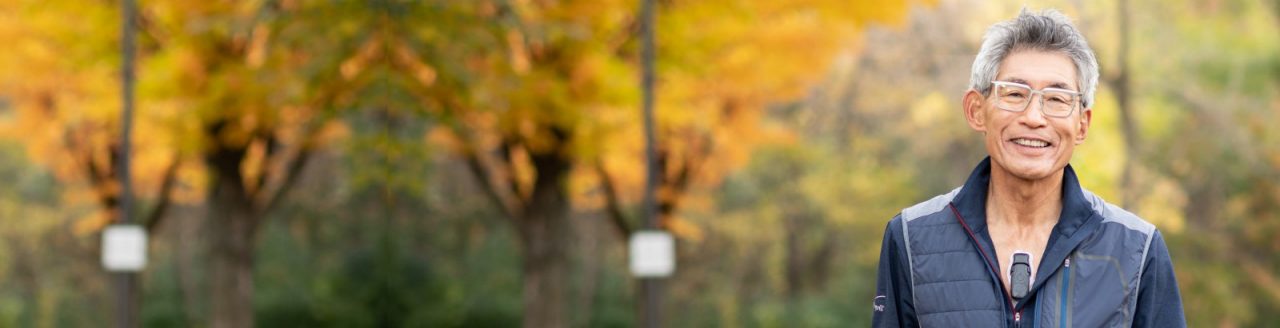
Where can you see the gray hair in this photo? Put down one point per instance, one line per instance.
(1048, 30)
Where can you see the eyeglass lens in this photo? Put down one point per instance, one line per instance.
(1017, 98)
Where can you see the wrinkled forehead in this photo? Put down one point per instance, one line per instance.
(1039, 69)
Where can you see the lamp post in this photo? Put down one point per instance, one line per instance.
(651, 249)
(124, 244)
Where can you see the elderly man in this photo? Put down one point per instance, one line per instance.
(1021, 243)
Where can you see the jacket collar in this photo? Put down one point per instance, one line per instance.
(971, 202)
(1076, 222)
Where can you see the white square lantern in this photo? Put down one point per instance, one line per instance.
(652, 254)
(124, 248)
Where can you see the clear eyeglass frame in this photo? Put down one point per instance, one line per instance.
(1068, 97)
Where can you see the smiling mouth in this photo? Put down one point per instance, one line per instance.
(1033, 143)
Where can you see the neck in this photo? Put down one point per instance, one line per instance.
(1012, 200)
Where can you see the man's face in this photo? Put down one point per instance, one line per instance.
(1028, 144)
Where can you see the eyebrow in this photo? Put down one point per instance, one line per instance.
(1055, 85)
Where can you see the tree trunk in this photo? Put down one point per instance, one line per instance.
(1130, 192)
(233, 234)
(791, 227)
(233, 230)
(190, 268)
(544, 240)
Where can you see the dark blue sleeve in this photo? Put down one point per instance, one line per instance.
(892, 304)
(1159, 301)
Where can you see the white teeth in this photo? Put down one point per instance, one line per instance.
(1031, 143)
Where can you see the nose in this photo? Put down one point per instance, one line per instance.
(1033, 116)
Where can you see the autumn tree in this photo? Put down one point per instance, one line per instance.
(62, 88)
(74, 127)
(537, 94)
(245, 95)
(263, 81)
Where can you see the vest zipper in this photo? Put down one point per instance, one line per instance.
(1064, 310)
(991, 266)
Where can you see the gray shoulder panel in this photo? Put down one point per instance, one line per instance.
(911, 264)
(1112, 213)
(929, 206)
(916, 211)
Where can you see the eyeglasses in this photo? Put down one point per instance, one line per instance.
(1054, 102)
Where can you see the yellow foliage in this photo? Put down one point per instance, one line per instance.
(683, 229)
(197, 63)
(720, 64)
(1163, 206)
(92, 223)
(62, 81)
(1099, 161)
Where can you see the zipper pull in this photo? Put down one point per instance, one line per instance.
(1017, 318)
(1067, 263)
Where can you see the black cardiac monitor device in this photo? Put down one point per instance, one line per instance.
(1020, 275)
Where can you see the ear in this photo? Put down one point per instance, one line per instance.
(973, 110)
(1086, 116)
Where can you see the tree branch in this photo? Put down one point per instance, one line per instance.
(504, 152)
(483, 177)
(612, 205)
(293, 170)
(162, 206)
(270, 147)
(689, 167)
(99, 177)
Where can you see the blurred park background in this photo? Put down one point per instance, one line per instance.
(479, 163)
